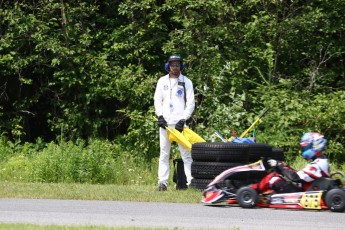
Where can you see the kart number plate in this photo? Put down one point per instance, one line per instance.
(311, 200)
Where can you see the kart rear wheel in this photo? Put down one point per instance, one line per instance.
(247, 197)
(335, 200)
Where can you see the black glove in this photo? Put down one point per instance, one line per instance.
(180, 124)
(162, 122)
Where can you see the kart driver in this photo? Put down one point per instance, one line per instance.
(313, 145)
(174, 103)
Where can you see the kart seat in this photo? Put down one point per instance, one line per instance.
(323, 183)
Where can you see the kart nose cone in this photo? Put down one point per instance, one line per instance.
(212, 196)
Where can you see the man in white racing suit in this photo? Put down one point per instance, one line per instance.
(312, 144)
(174, 103)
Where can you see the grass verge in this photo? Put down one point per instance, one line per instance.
(139, 193)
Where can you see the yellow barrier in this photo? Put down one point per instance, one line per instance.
(186, 138)
(192, 136)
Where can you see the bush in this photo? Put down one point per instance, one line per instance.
(294, 113)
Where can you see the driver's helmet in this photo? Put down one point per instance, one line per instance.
(312, 144)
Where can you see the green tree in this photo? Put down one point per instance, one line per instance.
(82, 69)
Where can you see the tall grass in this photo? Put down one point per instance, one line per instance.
(95, 162)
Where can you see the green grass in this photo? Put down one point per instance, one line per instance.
(140, 193)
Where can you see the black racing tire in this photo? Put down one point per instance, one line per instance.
(220, 152)
(209, 170)
(257, 151)
(247, 175)
(237, 184)
(201, 184)
(335, 200)
(278, 154)
(229, 152)
(247, 197)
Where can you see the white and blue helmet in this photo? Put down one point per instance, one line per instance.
(312, 144)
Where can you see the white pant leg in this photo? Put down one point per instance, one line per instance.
(164, 157)
(187, 162)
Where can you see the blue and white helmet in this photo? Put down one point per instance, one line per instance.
(312, 144)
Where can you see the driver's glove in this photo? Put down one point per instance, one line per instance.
(180, 124)
(162, 122)
(272, 163)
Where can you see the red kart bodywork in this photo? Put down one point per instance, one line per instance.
(245, 196)
(240, 172)
(212, 193)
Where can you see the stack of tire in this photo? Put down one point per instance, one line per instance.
(212, 158)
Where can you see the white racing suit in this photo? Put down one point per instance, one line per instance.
(276, 180)
(169, 101)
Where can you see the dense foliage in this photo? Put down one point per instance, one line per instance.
(87, 69)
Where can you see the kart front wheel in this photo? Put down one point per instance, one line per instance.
(335, 200)
(247, 197)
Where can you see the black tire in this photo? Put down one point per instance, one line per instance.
(247, 197)
(201, 184)
(209, 170)
(229, 152)
(235, 185)
(278, 154)
(247, 175)
(335, 200)
(257, 151)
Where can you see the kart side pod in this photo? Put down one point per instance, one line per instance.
(333, 199)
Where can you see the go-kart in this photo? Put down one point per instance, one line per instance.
(324, 193)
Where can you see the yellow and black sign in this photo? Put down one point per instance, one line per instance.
(311, 200)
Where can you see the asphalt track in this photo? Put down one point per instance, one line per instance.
(162, 215)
